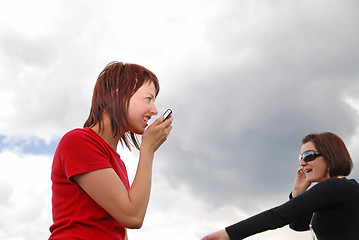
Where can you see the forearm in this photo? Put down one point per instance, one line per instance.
(270, 219)
(301, 224)
(139, 193)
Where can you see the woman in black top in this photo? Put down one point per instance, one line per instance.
(331, 207)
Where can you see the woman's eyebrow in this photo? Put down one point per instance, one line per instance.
(151, 94)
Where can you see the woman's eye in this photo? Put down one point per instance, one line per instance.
(149, 98)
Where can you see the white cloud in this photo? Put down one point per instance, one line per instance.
(25, 196)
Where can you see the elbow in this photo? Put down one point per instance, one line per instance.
(135, 226)
(134, 223)
(131, 217)
(298, 228)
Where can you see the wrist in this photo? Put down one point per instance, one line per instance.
(296, 193)
(146, 148)
(146, 153)
(225, 234)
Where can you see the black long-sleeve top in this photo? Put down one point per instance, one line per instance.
(334, 202)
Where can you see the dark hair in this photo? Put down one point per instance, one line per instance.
(114, 87)
(334, 152)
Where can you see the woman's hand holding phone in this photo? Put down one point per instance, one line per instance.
(157, 132)
(300, 183)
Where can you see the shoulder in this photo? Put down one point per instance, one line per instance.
(338, 184)
(79, 135)
(76, 133)
(81, 139)
(332, 191)
(82, 150)
(338, 181)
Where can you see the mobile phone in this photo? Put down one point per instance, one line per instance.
(167, 114)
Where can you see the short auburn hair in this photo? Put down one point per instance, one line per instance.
(334, 152)
(112, 92)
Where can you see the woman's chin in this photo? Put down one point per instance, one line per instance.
(139, 131)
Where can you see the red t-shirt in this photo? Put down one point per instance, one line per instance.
(75, 214)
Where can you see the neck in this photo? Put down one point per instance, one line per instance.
(106, 132)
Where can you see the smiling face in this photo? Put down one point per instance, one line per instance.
(142, 108)
(316, 170)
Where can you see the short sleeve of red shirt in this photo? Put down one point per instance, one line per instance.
(75, 214)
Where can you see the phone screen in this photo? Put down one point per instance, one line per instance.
(167, 114)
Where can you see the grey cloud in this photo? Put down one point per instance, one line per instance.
(214, 150)
(238, 128)
(26, 51)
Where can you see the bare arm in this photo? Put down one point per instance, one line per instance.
(219, 235)
(107, 189)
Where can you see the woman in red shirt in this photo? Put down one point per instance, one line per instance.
(92, 197)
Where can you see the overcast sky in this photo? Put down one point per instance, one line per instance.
(246, 81)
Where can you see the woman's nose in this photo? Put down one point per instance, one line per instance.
(302, 162)
(154, 109)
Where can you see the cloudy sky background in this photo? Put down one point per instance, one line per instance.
(246, 80)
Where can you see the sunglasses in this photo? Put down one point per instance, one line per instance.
(309, 156)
